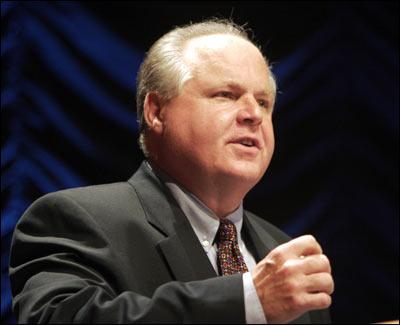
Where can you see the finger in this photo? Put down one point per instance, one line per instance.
(320, 300)
(305, 265)
(315, 264)
(304, 246)
(320, 282)
(301, 246)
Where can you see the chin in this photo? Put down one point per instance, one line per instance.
(246, 171)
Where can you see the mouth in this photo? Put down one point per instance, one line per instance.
(248, 142)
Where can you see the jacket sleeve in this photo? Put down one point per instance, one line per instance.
(58, 276)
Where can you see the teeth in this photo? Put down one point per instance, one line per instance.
(247, 142)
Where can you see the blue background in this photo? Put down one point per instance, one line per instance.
(68, 119)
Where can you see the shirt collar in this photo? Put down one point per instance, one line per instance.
(203, 220)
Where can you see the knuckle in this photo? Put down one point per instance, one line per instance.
(314, 263)
(325, 301)
(292, 287)
(278, 253)
(296, 302)
(267, 264)
(328, 278)
(287, 269)
(325, 260)
(311, 239)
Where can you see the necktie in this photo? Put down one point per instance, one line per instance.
(230, 260)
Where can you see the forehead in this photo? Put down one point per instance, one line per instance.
(227, 57)
(209, 47)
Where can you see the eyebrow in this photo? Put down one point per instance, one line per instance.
(237, 86)
(264, 93)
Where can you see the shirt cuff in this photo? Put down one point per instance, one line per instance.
(252, 305)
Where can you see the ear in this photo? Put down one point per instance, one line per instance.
(152, 110)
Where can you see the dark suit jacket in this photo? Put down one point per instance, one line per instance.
(123, 253)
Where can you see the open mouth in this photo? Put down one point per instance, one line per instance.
(250, 142)
(247, 143)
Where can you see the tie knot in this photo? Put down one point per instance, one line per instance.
(227, 231)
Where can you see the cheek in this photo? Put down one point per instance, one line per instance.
(268, 133)
(188, 133)
(210, 128)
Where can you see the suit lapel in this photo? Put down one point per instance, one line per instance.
(184, 254)
(181, 248)
(258, 241)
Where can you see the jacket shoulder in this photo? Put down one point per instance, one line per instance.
(105, 206)
(89, 197)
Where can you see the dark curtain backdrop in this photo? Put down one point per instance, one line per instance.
(68, 120)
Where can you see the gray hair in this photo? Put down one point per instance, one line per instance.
(164, 70)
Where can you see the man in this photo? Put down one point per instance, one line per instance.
(173, 244)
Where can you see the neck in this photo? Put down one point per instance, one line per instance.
(218, 201)
(222, 195)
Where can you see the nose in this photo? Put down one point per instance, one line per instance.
(250, 112)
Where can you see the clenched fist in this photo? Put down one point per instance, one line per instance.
(292, 279)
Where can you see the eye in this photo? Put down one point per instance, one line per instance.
(225, 94)
(262, 103)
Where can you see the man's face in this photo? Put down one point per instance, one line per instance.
(220, 125)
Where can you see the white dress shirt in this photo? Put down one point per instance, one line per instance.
(205, 225)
